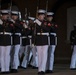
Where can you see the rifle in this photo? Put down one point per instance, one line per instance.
(25, 25)
(35, 23)
(25, 13)
(10, 9)
(37, 8)
(36, 15)
(20, 16)
(29, 14)
(0, 9)
(46, 6)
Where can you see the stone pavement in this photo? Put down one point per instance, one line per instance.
(62, 69)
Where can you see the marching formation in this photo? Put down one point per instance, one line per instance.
(28, 42)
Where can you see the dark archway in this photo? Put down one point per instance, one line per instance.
(63, 52)
(59, 3)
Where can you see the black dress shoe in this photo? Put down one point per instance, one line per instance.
(41, 73)
(34, 67)
(19, 66)
(22, 67)
(5, 72)
(49, 71)
(72, 68)
(14, 70)
(29, 65)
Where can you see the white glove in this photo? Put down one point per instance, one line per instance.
(24, 21)
(12, 20)
(1, 22)
(33, 45)
(25, 26)
(38, 22)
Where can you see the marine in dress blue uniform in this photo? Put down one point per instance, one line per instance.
(73, 44)
(33, 53)
(18, 27)
(52, 41)
(41, 40)
(26, 44)
(6, 30)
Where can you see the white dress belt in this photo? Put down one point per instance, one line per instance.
(43, 34)
(6, 33)
(30, 36)
(18, 34)
(53, 34)
(23, 37)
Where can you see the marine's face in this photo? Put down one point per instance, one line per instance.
(49, 18)
(41, 17)
(14, 17)
(30, 21)
(5, 17)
